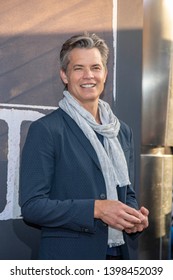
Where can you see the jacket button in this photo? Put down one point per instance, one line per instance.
(85, 229)
(102, 196)
(105, 225)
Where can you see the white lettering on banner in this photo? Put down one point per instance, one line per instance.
(14, 119)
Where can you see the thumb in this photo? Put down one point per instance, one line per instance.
(144, 211)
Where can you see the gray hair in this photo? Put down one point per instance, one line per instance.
(84, 40)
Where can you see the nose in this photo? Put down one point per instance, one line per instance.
(88, 73)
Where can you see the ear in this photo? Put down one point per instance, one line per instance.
(106, 74)
(63, 76)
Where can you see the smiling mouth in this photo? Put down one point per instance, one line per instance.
(88, 85)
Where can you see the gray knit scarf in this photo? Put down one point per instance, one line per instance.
(111, 156)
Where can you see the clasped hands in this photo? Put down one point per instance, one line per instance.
(120, 216)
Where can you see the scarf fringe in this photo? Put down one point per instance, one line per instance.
(115, 244)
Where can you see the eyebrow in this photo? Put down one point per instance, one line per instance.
(78, 65)
(81, 65)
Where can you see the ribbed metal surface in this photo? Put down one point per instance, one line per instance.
(157, 99)
(156, 195)
(157, 128)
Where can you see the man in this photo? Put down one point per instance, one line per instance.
(77, 166)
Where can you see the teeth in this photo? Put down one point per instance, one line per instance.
(88, 85)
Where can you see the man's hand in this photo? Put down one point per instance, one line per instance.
(118, 215)
(144, 222)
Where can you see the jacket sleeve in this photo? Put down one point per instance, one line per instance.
(36, 177)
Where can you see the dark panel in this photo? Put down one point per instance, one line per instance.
(129, 85)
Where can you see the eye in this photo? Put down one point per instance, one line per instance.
(77, 68)
(96, 67)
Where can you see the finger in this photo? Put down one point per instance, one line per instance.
(132, 219)
(133, 212)
(139, 228)
(144, 211)
(126, 224)
(122, 224)
(131, 230)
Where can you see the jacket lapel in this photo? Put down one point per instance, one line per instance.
(82, 138)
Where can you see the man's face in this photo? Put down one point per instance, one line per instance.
(85, 75)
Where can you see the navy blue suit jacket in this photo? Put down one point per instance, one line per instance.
(60, 179)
